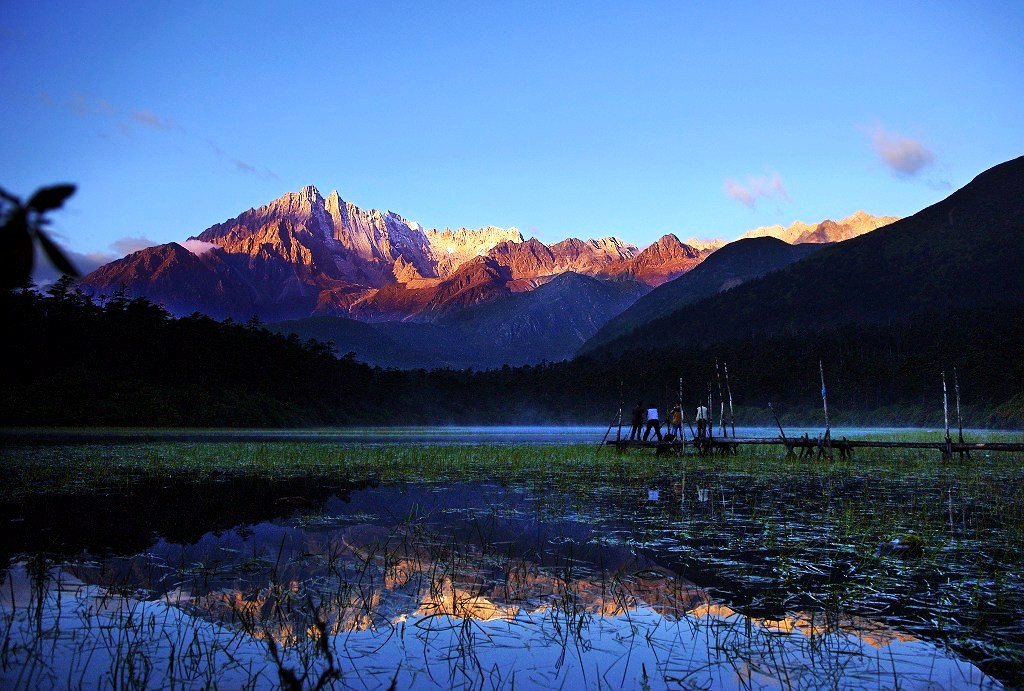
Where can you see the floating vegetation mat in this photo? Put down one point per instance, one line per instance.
(298, 565)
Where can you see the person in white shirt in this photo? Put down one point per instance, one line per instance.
(653, 423)
(702, 421)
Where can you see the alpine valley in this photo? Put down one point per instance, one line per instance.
(398, 295)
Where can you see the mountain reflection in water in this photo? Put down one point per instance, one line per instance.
(362, 563)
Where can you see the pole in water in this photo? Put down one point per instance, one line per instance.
(622, 403)
(732, 418)
(711, 409)
(959, 420)
(824, 396)
(826, 441)
(721, 401)
(682, 410)
(945, 405)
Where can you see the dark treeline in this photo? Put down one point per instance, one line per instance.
(71, 361)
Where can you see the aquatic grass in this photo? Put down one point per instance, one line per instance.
(779, 534)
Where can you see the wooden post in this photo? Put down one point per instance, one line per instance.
(824, 395)
(789, 447)
(711, 411)
(947, 453)
(732, 417)
(609, 431)
(721, 401)
(959, 420)
(682, 409)
(622, 403)
(827, 439)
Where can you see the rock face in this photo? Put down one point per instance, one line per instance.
(301, 254)
(661, 262)
(453, 248)
(826, 231)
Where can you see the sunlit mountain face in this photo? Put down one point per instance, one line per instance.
(305, 254)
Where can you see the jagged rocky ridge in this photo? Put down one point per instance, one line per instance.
(827, 231)
(304, 255)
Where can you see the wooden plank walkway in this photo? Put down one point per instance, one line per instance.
(806, 444)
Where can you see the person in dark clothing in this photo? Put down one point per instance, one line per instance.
(638, 421)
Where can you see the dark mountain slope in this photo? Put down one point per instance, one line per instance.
(549, 323)
(382, 345)
(478, 280)
(211, 283)
(963, 252)
(732, 265)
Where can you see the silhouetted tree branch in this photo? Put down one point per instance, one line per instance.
(22, 225)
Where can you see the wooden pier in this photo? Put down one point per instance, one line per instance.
(704, 442)
(807, 446)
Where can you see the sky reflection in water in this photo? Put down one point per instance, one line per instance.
(545, 566)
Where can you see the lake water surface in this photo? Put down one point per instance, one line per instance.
(694, 574)
(435, 435)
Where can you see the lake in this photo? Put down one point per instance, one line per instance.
(451, 435)
(626, 571)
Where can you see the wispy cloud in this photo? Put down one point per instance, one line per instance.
(244, 167)
(739, 193)
(149, 119)
(250, 169)
(905, 156)
(239, 165)
(80, 105)
(755, 188)
(127, 121)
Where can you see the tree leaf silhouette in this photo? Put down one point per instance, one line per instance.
(55, 254)
(49, 198)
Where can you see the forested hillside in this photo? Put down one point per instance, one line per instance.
(128, 362)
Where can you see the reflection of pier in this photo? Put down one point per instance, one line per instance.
(807, 446)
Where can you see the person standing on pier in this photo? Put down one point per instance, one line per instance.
(675, 422)
(702, 421)
(638, 421)
(653, 423)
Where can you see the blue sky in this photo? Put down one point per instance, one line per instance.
(563, 119)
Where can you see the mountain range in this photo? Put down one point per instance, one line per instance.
(890, 317)
(736, 263)
(962, 253)
(400, 295)
(826, 231)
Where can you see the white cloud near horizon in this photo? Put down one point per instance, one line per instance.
(904, 156)
(763, 187)
(198, 247)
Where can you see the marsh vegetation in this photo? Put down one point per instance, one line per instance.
(308, 563)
